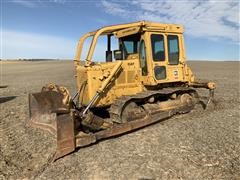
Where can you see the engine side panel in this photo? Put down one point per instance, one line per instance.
(126, 82)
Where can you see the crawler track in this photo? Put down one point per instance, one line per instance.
(151, 116)
(118, 106)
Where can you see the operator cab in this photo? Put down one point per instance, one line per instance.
(161, 58)
(153, 51)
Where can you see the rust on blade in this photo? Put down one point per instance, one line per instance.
(41, 109)
(132, 125)
(65, 135)
(48, 112)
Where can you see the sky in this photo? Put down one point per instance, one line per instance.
(51, 28)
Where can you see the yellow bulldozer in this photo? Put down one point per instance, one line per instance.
(143, 81)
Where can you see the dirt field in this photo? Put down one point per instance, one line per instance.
(199, 145)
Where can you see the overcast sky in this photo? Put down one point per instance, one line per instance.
(51, 28)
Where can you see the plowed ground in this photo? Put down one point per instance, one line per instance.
(203, 144)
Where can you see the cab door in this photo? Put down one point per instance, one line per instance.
(166, 55)
(174, 58)
(148, 63)
(159, 57)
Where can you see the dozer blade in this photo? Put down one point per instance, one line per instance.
(42, 110)
(65, 135)
(48, 112)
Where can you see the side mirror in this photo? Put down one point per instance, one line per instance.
(118, 55)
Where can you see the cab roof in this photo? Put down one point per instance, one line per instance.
(141, 26)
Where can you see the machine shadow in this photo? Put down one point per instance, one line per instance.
(6, 99)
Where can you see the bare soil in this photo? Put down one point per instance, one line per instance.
(204, 144)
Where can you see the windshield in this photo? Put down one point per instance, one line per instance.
(130, 44)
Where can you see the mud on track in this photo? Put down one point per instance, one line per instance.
(198, 145)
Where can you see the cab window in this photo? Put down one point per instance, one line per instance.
(157, 41)
(173, 49)
(130, 44)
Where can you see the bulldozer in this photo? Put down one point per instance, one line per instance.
(144, 81)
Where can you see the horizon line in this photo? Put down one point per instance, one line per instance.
(68, 59)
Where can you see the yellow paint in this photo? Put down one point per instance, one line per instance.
(124, 77)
